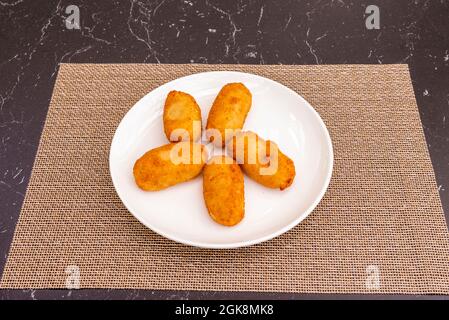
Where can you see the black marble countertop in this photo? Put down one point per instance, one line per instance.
(34, 39)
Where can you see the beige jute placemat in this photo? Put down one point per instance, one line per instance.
(379, 229)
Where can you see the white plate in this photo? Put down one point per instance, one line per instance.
(179, 212)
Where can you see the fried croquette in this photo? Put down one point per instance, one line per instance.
(262, 160)
(169, 165)
(182, 117)
(228, 111)
(223, 190)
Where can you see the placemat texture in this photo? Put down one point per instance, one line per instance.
(380, 227)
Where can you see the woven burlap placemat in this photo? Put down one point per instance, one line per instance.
(380, 227)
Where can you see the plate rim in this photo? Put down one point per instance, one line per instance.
(245, 243)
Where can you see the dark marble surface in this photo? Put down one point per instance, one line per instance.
(34, 40)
